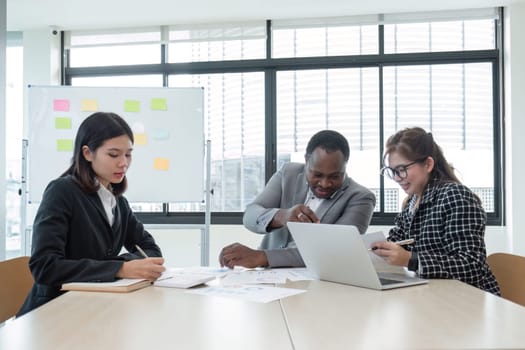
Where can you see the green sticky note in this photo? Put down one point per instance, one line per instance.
(64, 145)
(62, 123)
(159, 104)
(131, 106)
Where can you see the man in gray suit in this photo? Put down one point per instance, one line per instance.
(318, 191)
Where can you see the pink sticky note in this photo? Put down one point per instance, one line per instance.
(61, 105)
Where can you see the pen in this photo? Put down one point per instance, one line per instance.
(405, 241)
(141, 251)
(402, 242)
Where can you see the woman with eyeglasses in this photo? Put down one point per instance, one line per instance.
(443, 216)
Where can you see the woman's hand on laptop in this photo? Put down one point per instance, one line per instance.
(393, 253)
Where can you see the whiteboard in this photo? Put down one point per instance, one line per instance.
(167, 123)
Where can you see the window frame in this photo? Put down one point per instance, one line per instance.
(270, 66)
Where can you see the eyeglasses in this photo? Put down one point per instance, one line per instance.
(400, 171)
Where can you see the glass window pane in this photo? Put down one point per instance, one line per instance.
(79, 38)
(217, 43)
(234, 123)
(454, 102)
(440, 36)
(346, 100)
(119, 81)
(325, 41)
(118, 55)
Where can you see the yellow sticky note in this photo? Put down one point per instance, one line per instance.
(62, 123)
(161, 164)
(140, 139)
(131, 106)
(159, 104)
(64, 145)
(89, 105)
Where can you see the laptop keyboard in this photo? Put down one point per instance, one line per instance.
(386, 281)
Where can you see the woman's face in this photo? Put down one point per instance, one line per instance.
(418, 174)
(111, 160)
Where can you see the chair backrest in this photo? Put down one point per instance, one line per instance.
(15, 282)
(509, 270)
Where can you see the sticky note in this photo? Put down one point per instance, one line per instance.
(138, 128)
(61, 105)
(161, 134)
(89, 105)
(159, 104)
(62, 123)
(140, 139)
(131, 106)
(64, 145)
(161, 164)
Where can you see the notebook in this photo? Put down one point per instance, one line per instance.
(338, 253)
(119, 286)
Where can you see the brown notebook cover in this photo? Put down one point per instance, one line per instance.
(118, 286)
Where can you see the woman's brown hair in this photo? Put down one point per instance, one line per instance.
(417, 144)
(93, 132)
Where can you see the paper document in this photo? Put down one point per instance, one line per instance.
(187, 277)
(258, 293)
(379, 263)
(272, 276)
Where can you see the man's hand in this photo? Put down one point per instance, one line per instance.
(148, 268)
(237, 254)
(297, 213)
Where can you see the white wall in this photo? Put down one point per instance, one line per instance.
(3, 10)
(515, 124)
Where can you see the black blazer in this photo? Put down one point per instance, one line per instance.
(73, 241)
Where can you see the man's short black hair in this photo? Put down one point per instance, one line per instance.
(330, 141)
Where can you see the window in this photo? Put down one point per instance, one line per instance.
(234, 123)
(346, 100)
(238, 41)
(365, 76)
(454, 102)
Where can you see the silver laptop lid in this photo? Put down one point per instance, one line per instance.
(337, 253)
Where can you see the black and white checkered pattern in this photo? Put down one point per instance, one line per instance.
(448, 227)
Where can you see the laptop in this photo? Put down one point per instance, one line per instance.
(338, 253)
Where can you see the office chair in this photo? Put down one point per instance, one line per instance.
(509, 270)
(15, 282)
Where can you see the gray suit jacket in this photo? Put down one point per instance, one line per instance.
(352, 204)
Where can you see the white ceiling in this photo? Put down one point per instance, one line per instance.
(86, 14)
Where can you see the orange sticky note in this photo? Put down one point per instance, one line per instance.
(161, 164)
(140, 139)
(89, 105)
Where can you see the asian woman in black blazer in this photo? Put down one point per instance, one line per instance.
(83, 221)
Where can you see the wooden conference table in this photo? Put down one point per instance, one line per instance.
(444, 314)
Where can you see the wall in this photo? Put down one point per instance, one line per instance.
(515, 124)
(3, 10)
